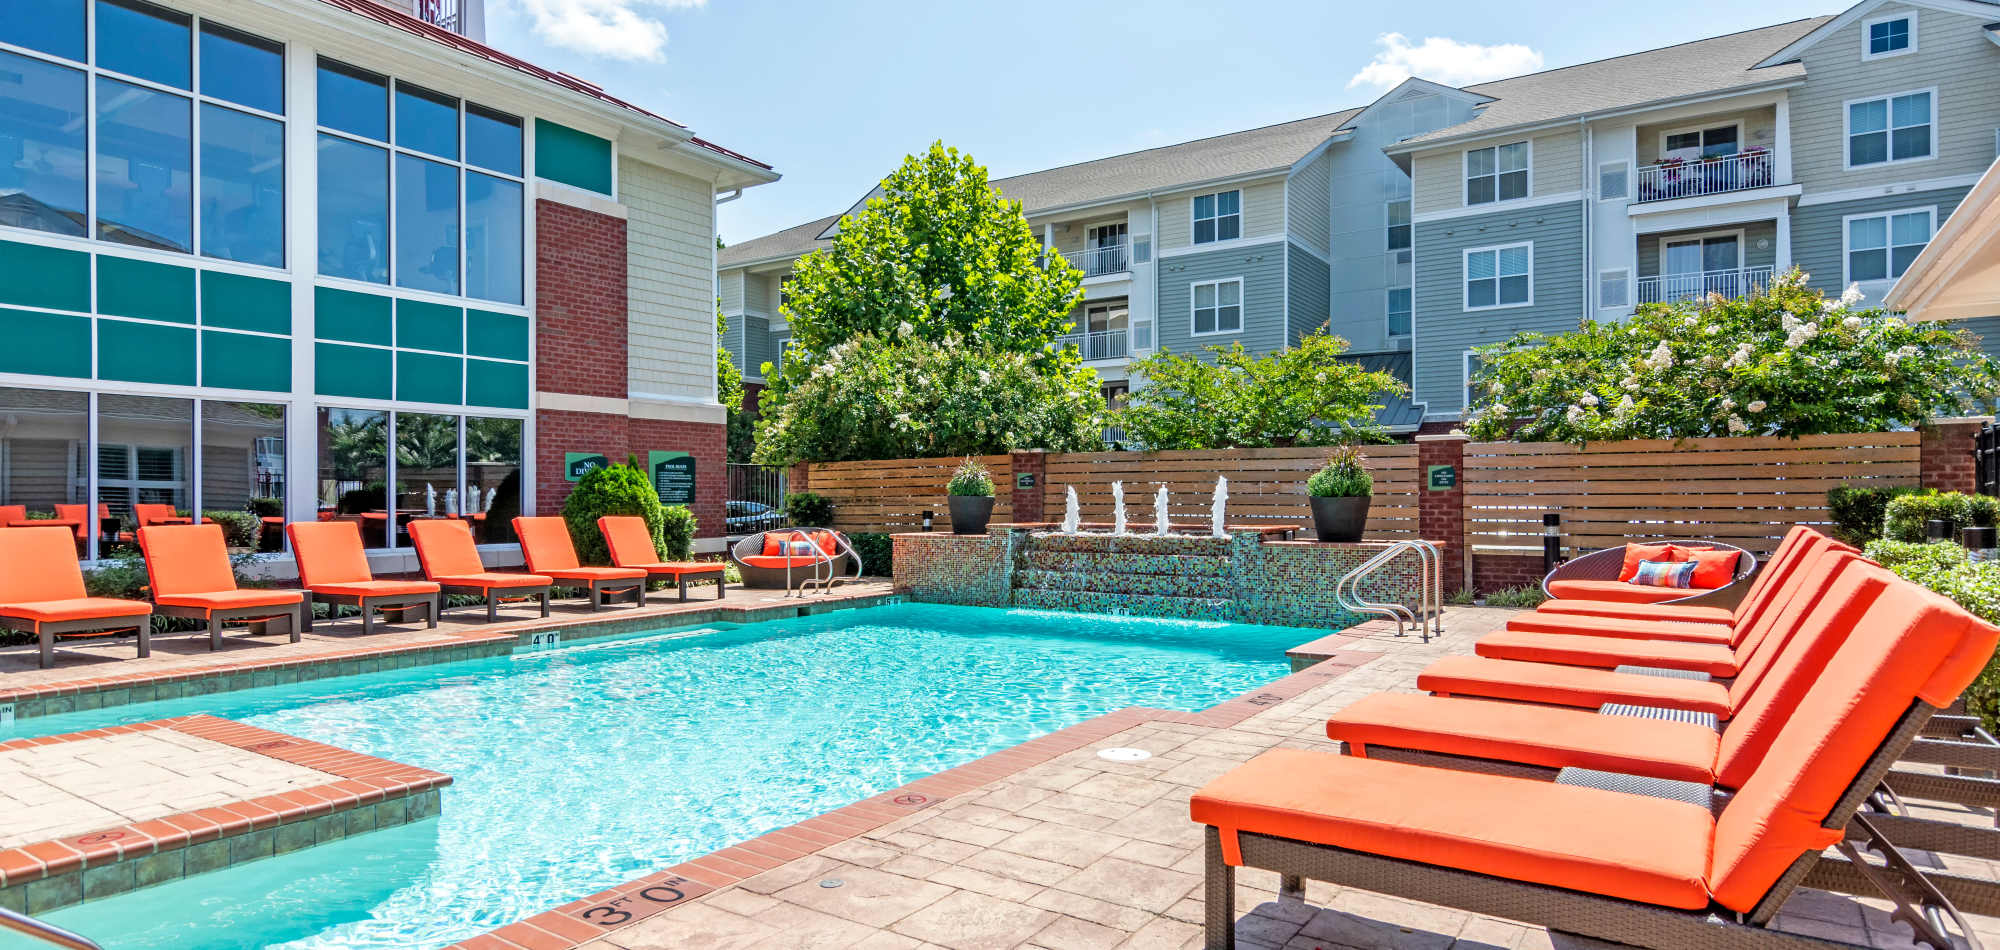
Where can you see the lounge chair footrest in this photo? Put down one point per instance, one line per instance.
(1661, 712)
(1663, 671)
(1694, 793)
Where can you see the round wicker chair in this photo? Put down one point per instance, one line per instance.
(842, 566)
(1606, 565)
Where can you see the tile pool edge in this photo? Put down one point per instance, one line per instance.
(591, 918)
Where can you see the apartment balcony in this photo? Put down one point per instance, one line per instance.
(1670, 180)
(1101, 261)
(444, 14)
(1101, 344)
(1676, 288)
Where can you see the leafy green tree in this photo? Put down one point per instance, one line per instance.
(729, 391)
(1308, 394)
(926, 328)
(1787, 362)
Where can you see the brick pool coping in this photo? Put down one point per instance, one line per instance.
(581, 921)
(363, 781)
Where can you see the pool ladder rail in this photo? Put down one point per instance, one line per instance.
(46, 933)
(1428, 615)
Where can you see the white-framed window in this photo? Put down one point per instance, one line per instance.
(1881, 246)
(1698, 142)
(1399, 225)
(1888, 129)
(1400, 311)
(1614, 181)
(142, 474)
(1218, 217)
(1614, 288)
(1496, 173)
(1217, 306)
(1501, 276)
(1473, 366)
(1889, 35)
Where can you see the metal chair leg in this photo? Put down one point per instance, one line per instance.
(214, 633)
(544, 597)
(145, 638)
(49, 649)
(431, 612)
(1218, 896)
(367, 617)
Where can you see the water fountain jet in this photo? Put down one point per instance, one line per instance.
(1117, 509)
(1160, 526)
(1215, 510)
(1071, 522)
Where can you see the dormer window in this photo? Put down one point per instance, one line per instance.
(1889, 36)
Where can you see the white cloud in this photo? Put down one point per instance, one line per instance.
(614, 29)
(1445, 60)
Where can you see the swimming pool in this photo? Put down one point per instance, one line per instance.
(588, 765)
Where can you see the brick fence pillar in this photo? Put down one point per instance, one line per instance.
(1441, 512)
(1946, 453)
(798, 477)
(1028, 499)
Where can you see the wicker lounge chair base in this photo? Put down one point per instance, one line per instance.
(45, 633)
(370, 604)
(218, 617)
(497, 597)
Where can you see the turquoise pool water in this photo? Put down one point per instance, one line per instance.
(585, 766)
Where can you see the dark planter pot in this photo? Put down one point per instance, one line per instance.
(1340, 519)
(970, 513)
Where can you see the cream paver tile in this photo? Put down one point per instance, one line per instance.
(970, 921)
(1132, 884)
(1069, 933)
(698, 926)
(866, 895)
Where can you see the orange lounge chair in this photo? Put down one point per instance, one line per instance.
(188, 568)
(333, 567)
(451, 559)
(545, 545)
(13, 515)
(632, 546)
(42, 593)
(147, 515)
(73, 516)
(1632, 869)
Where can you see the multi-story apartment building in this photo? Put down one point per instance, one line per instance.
(327, 259)
(1438, 219)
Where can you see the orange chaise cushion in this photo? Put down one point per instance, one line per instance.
(1533, 621)
(1584, 839)
(1625, 610)
(77, 608)
(1618, 591)
(679, 568)
(595, 573)
(1548, 736)
(545, 544)
(39, 564)
(228, 599)
(630, 541)
(186, 559)
(445, 547)
(328, 552)
(1715, 659)
(766, 560)
(491, 580)
(378, 588)
(1579, 686)
(1634, 553)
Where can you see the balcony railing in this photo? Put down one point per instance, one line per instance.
(1674, 288)
(1101, 344)
(1709, 176)
(1097, 261)
(446, 14)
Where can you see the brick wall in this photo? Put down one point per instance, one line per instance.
(1946, 452)
(706, 443)
(1028, 501)
(1497, 572)
(580, 303)
(1441, 514)
(617, 438)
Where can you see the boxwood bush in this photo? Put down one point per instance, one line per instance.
(612, 490)
(809, 509)
(1858, 509)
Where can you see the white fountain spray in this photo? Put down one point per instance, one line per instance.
(1215, 510)
(1118, 509)
(1071, 518)
(430, 501)
(451, 502)
(1160, 511)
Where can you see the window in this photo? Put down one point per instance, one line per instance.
(1498, 173)
(1891, 129)
(1218, 217)
(42, 141)
(1474, 366)
(41, 452)
(1218, 306)
(145, 41)
(243, 466)
(1399, 311)
(242, 69)
(1399, 224)
(242, 186)
(492, 477)
(1889, 36)
(1695, 144)
(1614, 288)
(54, 27)
(1881, 247)
(1499, 276)
(142, 459)
(1614, 181)
(354, 470)
(145, 166)
(418, 189)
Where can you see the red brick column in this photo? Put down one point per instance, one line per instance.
(1946, 453)
(1028, 501)
(580, 304)
(558, 432)
(799, 477)
(1441, 514)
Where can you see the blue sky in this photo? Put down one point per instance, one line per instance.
(836, 93)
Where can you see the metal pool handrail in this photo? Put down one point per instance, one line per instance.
(46, 933)
(1429, 613)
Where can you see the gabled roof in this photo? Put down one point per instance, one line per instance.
(1716, 65)
(1796, 48)
(1271, 149)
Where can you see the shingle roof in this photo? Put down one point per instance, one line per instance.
(1270, 148)
(1717, 64)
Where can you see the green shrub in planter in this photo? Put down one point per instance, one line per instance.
(1858, 509)
(972, 480)
(677, 531)
(1343, 477)
(240, 529)
(809, 509)
(267, 507)
(611, 490)
(1905, 516)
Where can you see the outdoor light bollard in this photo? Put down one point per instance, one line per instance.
(1981, 542)
(1551, 541)
(927, 521)
(1937, 529)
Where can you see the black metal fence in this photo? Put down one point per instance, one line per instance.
(756, 500)
(1986, 460)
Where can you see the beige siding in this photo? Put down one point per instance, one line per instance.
(760, 294)
(1437, 181)
(1953, 55)
(729, 287)
(670, 251)
(1263, 212)
(1309, 199)
(1555, 161)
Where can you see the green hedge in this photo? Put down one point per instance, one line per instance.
(809, 509)
(1946, 568)
(1858, 509)
(877, 553)
(1905, 516)
(612, 490)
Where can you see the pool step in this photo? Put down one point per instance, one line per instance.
(1149, 605)
(1176, 544)
(1174, 585)
(1124, 562)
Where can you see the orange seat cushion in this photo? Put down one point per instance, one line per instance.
(629, 540)
(1635, 553)
(38, 564)
(186, 559)
(595, 573)
(1532, 621)
(488, 580)
(1715, 659)
(445, 547)
(328, 552)
(1619, 591)
(1620, 610)
(765, 560)
(77, 608)
(1713, 568)
(1578, 686)
(545, 544)
(1548, 736)
(230, 599)
(1584, 839)
(377, 588)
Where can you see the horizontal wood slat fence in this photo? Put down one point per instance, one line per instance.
(1742, 491)
(891, 496)
(1265, 485)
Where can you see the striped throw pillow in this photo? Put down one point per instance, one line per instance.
(1666, 574)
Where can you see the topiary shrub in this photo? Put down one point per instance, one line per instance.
(878, 554)
(1857, 509)
(267, 507)
(809, 509)
(678, 526)
(1904, 518)
(611, 490)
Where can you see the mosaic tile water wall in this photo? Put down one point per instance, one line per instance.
(1245, 577)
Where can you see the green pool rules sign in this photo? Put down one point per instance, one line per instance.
(673, 476)
(1442, 477)
(578, 464)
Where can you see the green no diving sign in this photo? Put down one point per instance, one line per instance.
(578, 464)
